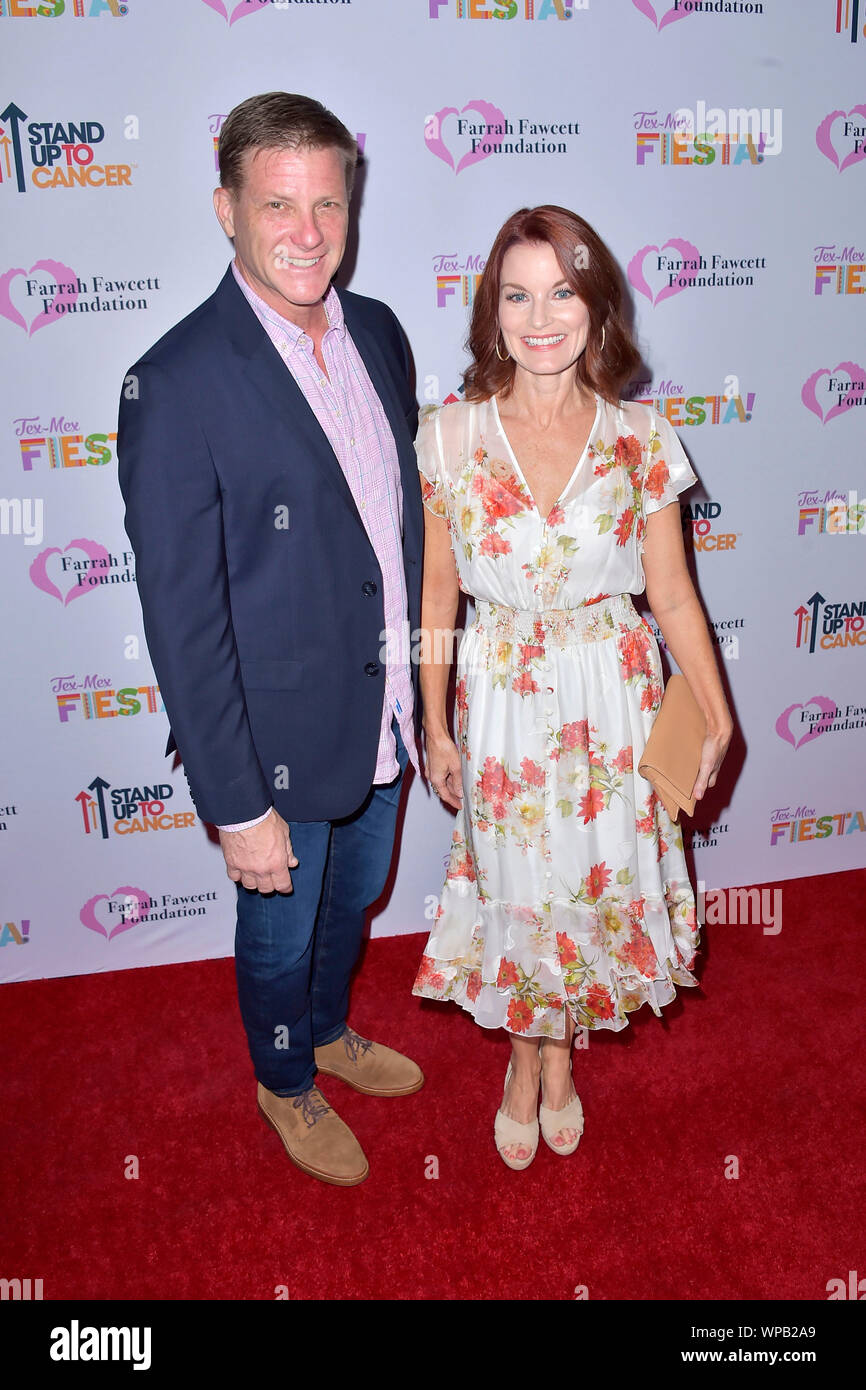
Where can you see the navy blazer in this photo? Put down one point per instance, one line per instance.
(261, 593)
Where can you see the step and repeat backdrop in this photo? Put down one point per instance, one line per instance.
(718, 146)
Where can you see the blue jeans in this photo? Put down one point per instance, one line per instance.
(295, 952)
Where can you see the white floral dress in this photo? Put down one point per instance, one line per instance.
(567, 886)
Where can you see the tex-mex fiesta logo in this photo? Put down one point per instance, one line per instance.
(52, 442)
(729, 406)
(707, 136)
(839, 624)
(800, 823)
(457, 278)
(839, 269)
(57, 153)
(94, 696)
(15, 933)
(466, 136)
(659, 272)
(55, 9)
(829, 512)
(504, 9)
(107, 810)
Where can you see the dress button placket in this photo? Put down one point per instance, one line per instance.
(548, 718)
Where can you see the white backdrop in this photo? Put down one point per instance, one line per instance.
(743, 241)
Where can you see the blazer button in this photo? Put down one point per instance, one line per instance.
(372, 668)
(368, 588)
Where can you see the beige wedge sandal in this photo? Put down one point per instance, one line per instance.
(507, 1132)
(553, 1121)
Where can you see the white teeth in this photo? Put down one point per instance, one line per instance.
(543, 342)
(296, 261)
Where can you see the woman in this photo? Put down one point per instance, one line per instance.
(567, 898)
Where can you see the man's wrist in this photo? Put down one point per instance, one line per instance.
(246, 824)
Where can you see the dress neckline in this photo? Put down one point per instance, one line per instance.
(593, 427)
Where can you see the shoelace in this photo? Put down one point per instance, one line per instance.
(354, 1044)
(312, 1105)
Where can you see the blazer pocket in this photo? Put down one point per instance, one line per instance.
(267, 674)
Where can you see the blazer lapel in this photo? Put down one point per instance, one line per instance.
(374, 361)
(265, 370)
(268, 373)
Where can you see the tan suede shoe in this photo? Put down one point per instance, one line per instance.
(369, 1067)
(315, 1137)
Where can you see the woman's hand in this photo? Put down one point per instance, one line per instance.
(714, 748)
(443, 769)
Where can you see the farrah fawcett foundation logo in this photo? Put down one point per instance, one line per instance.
(461, 138)
(658, 272)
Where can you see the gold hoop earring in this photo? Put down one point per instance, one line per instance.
(602, 338)
(498, 353)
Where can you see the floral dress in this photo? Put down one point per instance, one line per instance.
(567, 886)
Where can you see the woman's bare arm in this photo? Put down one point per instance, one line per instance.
(675, 607)
(440, 595)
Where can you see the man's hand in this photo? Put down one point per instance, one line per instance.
(261, 856)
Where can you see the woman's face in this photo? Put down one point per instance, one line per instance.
(544, 324)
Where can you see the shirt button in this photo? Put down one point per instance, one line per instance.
(352, 442)
(548, 873)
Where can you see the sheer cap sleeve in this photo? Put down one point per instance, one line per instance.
(429, 462)
(668, 471)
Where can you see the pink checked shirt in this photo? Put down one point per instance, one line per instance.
(350, 413)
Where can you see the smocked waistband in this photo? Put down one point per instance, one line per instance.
(588, 622)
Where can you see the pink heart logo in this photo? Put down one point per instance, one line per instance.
(39, 569)
(241, 10)
(136, 906)
(65, 292)
(490, 115)
(816, 727)
(689, 254)
(824, 138)
(809, 395)
(669, 17)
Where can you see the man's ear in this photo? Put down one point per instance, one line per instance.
(223, 203)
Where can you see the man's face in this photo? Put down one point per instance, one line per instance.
(289, 223)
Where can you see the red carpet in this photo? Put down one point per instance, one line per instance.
(765, 1063)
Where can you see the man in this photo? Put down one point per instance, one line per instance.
(272, 501)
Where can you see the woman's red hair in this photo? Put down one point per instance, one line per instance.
(591, 271)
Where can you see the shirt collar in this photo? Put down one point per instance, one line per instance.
(290, 331)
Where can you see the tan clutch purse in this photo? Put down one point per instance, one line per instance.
(672, 756)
